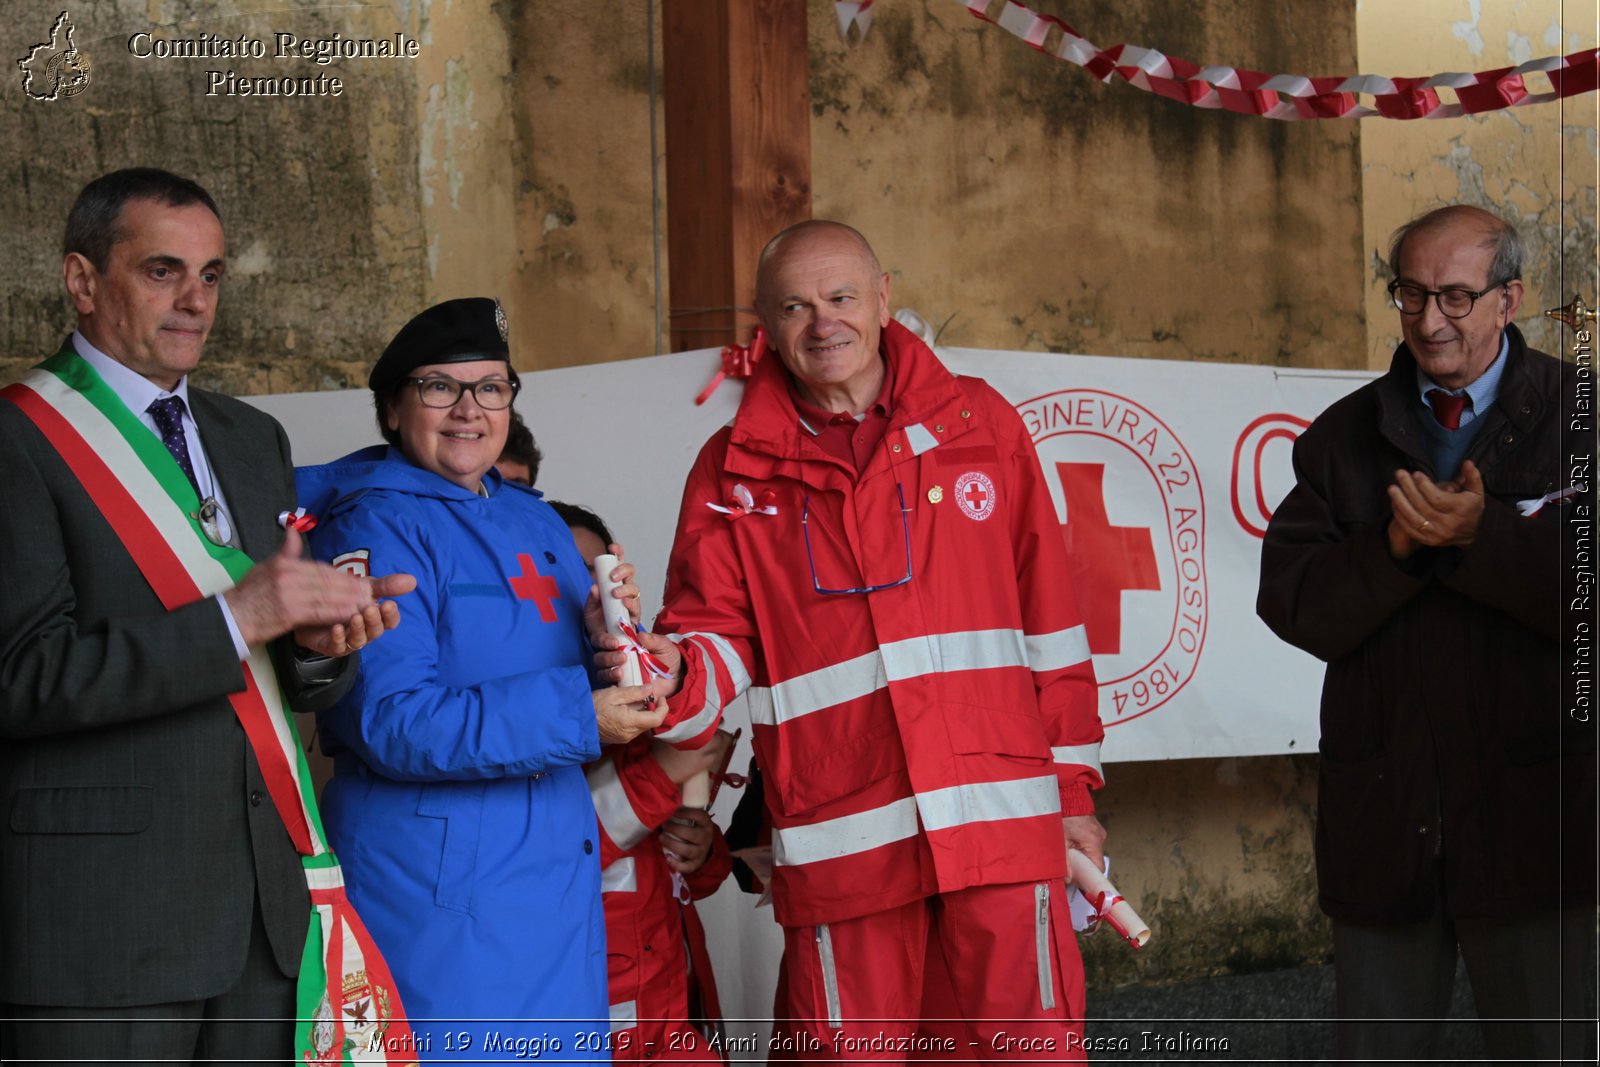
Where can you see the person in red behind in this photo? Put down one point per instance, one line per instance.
(871, 550)
(657, 857)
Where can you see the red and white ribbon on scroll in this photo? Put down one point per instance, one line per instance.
(1529, 508)
(1104, 903)
(1292, 96)
(647, 660)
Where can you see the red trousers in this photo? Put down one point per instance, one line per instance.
(987, 973)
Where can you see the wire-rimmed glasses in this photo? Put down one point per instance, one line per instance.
(905, 525)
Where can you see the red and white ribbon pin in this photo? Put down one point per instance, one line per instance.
(298, 519)
(743, 503)
(1530, 508)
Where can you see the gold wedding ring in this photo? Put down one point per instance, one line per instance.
(1425, 524)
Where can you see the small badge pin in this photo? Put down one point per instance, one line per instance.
(500, 319)
(936, 494)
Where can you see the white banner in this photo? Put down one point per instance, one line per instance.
(1168, 471)
(1165, 475)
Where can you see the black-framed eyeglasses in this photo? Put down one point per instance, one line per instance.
(905, 526)
(492, 394)
(1453, 303)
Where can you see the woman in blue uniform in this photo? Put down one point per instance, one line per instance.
(458, 804)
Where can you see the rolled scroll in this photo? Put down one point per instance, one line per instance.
(1108, 904)
(616, 614)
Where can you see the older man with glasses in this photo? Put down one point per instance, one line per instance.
(871, 554)
(1419, 556)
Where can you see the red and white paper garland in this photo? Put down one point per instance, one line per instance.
(856, 12)
(1283, 96)
(1292, 96)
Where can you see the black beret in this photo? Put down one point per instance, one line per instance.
(456, 331)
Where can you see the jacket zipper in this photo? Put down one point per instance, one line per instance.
(1041, 945)
(830, 978)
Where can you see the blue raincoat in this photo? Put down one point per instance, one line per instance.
(458, 805)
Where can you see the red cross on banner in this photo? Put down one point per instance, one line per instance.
(531, 585)
(1105, 559)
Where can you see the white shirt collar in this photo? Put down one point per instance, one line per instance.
(1484, 388)
(133, 388)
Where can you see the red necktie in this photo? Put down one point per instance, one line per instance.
(1447, 407)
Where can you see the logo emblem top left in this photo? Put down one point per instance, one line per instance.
(55, 69)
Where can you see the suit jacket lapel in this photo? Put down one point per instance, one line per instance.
(237, 471)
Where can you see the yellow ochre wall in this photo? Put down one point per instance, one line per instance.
(1536, 165)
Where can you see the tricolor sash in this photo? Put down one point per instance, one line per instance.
(349, 1010)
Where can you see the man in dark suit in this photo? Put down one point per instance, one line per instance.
(145, 873)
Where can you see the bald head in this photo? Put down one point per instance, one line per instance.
(804, 237)
(1467, 225)
(825, 302)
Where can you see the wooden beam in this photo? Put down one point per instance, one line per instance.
(738, 146)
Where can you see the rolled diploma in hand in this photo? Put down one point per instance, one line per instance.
(615, 613)
(1099, 892)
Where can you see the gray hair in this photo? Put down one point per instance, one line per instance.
(1498, 234)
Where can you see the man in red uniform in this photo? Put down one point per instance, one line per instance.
(871, 550)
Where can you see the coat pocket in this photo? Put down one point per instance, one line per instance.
(1368, 850)
(88, 809)
(841, 770)
(975, 729)
(460, 805)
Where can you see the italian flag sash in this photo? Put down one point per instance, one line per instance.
(349, 1010)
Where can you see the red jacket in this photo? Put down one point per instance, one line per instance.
(651, 933)
(918, 739)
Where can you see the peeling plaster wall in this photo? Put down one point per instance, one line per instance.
(319, 195)
(585, 255)
(1534, 165)
(510, 157)
(467, 163)
(1216, 855)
